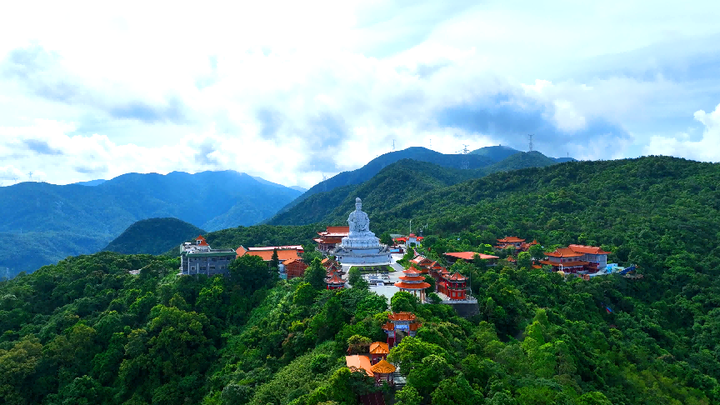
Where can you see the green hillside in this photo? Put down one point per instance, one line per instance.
(393, 185)
(153, 236)
(53, 222)
(396, 184)
(87, 331)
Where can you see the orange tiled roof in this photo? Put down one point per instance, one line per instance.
(240, 251)
(415, 326)
(338, 229)
(457, 277)
(202, 240)
(402, 316)
(359, 363)
(328, 239)
(412, 286)
(563, 252)
(334, 279)
(383, 367)
(511, 239)
(412, 278)
(470, 255)
(411, 271)
(588, 249)
(266, 255)
(573, 263)
(379, 348)
(389, 326)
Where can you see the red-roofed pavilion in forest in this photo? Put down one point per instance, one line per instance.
(334, 282)
(454, 286)
(413, 282)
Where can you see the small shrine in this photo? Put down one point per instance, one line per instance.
(334, 282)
(413, 282)
(398, 325)
(383, 372)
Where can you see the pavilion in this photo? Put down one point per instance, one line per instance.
(413, 282)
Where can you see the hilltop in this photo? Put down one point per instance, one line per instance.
(153, 236)
(398, 183)
(57, 221)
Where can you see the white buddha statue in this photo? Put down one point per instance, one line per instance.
(359, 222)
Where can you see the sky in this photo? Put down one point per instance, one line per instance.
(294, 91)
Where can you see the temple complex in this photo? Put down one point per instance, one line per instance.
(453, 286)
(198, 258)
(361, 247)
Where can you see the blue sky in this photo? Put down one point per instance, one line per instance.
(293, 91)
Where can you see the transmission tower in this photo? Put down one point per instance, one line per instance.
(465, 149)
(393, 145)
(530, 144)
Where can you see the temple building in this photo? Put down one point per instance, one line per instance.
(577, 259)
(331, 237)
(361, 247)
(294, 268)
(334, 282)
(198, 258)
(383, 372)
(332, 266)
(454, 286)
(413, 282)
(470, 256)
(515, 242)
(400, 324)
(408, 240)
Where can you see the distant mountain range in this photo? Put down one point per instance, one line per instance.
(153, 236)
(401, 179)
(479, 158)
(49, 222)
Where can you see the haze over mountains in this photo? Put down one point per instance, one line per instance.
(50, 222)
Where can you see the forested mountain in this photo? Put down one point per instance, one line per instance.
(153, 236)
(398, 183)
(58, 221)
(86, 331)
(480, 158)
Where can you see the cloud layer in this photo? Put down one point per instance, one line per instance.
(324, 87)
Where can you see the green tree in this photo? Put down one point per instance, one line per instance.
(593, 398)
(251, 273)
(386, 239)
(315, 274)
(537, 252)
(356, 279)
(524, 261)
(408, 395)
(403, 301)
(274, 261)
(455, 391)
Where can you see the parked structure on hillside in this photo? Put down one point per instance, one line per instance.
(198, 258)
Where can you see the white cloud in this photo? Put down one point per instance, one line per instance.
(291, 91)
(707, 148)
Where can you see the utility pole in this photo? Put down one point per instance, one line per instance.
(530, 143)
(410, 227)
(393, 145)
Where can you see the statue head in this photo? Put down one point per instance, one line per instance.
(358, 204)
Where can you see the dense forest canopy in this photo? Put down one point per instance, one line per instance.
(88, 331)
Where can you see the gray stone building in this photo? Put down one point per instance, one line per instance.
(198, 258)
